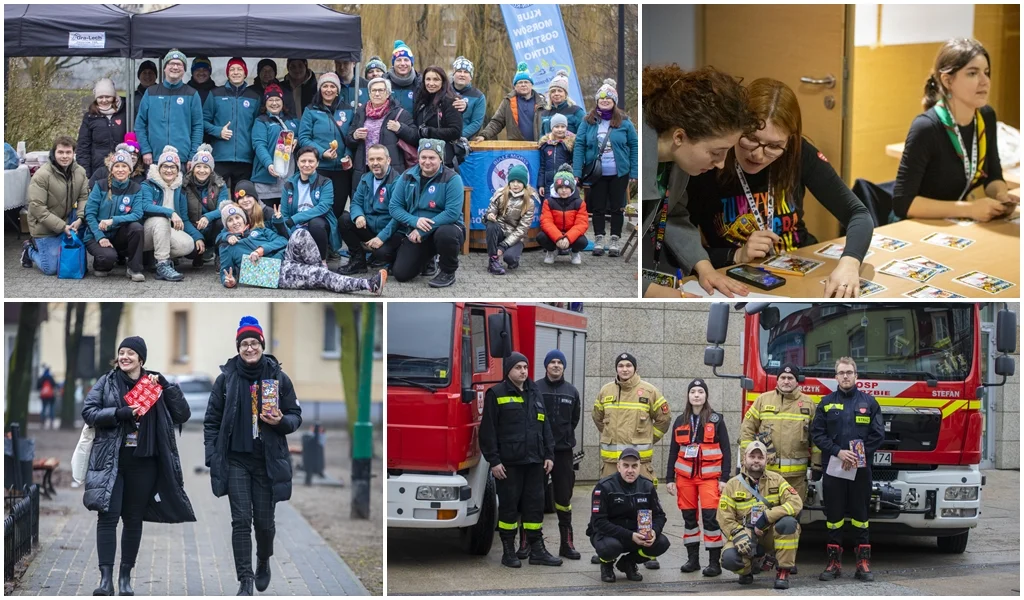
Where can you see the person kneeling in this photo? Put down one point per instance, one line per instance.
(758, 512)
(614, 529)
(564, 219)
(508, 216)
(368, 225)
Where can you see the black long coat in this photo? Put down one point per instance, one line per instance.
(98, 136)
(172, 409)
(440, 122)
(220, 420)
(389, 139)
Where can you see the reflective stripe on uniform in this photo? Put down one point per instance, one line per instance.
(836, 525)
(628, 405)
(711, 452)
(659, 402)
(532, 526)
(613, 455)
(685, 468)
(504, 525)
(787, 469)
(833, 405)
(786, 544)
(753, 412)
(793, 461)
(563, 508)
(860, 524)
(691, 535)
(507, 399)
(713, 541)
(644, 554)
(789, 509)
(785, 417)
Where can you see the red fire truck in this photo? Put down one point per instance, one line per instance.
(442, 357)
(922, 362)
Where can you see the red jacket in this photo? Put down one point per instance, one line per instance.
(564, 217)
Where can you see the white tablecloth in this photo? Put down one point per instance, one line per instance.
(16, 187)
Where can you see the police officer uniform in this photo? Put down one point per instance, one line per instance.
(515, 433)
(842, 416)
(613, 520)
(772, 509)
(563, 406)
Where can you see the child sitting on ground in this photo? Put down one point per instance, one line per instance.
(564, 219)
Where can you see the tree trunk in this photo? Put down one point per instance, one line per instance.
(19, 371)
(72, 342)
(344, 315)
(110, 319)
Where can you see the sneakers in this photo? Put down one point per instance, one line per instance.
(577, 258)
(549, 257)
(613, 247)
(494, 266)
(165, 270)
(26, 261)
(442, 279)
(430, 269)
(377, 281)
(131, 275)
(599, 245)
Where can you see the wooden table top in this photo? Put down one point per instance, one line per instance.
(995, 251)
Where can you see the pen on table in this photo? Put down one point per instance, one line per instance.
(782, 271)
(679, 279)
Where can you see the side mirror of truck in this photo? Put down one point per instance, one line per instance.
(714, 356)
(499, 335)
(1006, 331)
(770, 318)
(718, 325)
(468, 395)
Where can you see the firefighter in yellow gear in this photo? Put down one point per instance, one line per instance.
(781, 419)
(630, 413)
(757, 513)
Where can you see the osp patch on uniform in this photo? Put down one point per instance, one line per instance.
(863, 410)
(773, 490)
(644, 400)
(664, 408)
(713, 418)
(770, 408)
(805, 411)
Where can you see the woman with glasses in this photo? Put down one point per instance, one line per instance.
(752, 207)
(169, 233)
(950, 166)
(380, 121)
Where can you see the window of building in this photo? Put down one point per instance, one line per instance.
(824, 353)
(858, 348)
(896, 342)
(941, 327)
(332, 333)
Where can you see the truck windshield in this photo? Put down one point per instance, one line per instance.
(420, 342)
(888, 341)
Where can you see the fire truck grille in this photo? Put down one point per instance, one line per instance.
(890, 473)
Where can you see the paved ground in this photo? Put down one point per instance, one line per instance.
(421, 562)
(597, 277)
(177, 560)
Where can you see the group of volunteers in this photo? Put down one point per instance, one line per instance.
(134, 468)
(302, 167)
(732, 168)
(748, 520)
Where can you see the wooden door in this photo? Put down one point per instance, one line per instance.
(790, 43)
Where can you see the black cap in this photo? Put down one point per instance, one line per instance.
(266, 62)
(697, 383)
(790, 368)
(512, 360)
(146, 64)
(137, 344)
(246, 188)
(625, 356)
(629, 453)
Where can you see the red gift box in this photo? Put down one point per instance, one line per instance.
(144, 395)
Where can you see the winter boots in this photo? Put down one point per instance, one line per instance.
(627, 564)
(692, 559)
(834, 569)
(714, 568)
(523, 552)
(262, 574)
(608, 572)
(566, 548)
(245, 587)
(539, 555)
(106, 587)
(864, 563)
(124, 581)
(782, 579)
(508, 552)
(494, 266)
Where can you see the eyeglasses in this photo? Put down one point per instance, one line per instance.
(379, 91)
(846, 373)
(249, 345)
(772, 150)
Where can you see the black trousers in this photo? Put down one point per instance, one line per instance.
(521, 490)
(609, 548)
(133, 488)
(232, 173)
(548, 244)
(251, 498)
(127, 242)
(354, 237)
(211, 232)
(445, 241)
(563, 478)
(342, 183)
(608, 195)
(495, 235)
(847, 501)
(321, 233)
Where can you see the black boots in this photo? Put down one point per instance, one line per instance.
(356, 264)
(262, 574)
(627, 564)
(607, 572)
(864, 563)
(508, 552)
(692, 559)
(566, 548)
(106, 587)
(746, 579)
(539, 555)
(782, 579)
(834, 569)
(124, 581)
(714, 568)
(524, 547)
(245, 587)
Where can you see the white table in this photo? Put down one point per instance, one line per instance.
(16, 187)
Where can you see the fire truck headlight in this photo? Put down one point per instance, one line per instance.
(440, 493)
(961, 493)
(959, 512)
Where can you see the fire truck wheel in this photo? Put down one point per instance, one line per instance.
(953, 544)
(478, 538)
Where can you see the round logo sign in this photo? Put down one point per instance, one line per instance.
(316, 194)
(410, 95)
(245, 103)
(126, 200)
(181, 100)
(497, 173)
(206, 159)
(431, 189)
(255, 233)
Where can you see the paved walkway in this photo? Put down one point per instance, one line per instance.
(597, 277)
(194, 559)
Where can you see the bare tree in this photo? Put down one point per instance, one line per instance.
(345, 316)
(72, 342)
(19, 370)
(110, 319)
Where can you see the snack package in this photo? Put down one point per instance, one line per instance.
(271, 387)
(857, 447)
(645, 522)
(283, 154)
(144, 395)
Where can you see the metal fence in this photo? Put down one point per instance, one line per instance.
(21, 528)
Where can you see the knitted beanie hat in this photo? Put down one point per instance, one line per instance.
(374, 63)
(565, 178)
(249, 327)
(463, 64)
(432, 144)
(136, 344)
(131, 140)
(175, 54)
(522, 74)
(520, 174)
(237, 60)
(104, 87)
(561, 81)
(559, 119)
(266, 62)
(204, 155)
(402, 50)
(329, 77)
(229, 209)
(201, 62)
(170, 155)
(608, 91)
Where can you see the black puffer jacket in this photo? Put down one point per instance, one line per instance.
(220, 420)
(441, 122)
(98, 136)
(99, 413)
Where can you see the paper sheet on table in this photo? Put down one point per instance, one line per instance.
(693, 287)
(835, 469)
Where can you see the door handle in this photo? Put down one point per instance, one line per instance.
(828, 81)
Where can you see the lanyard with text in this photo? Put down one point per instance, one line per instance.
(769, 209)
(971, 165)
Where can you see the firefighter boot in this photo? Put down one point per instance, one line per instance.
(692, 558)
(508, 552)
(539, 555)
(834, 570)
(863, 563)
(714, 568)
(746, 579)
(782, 579)
(608, 572)
(566, 548)
(627, 564)
(524, 547)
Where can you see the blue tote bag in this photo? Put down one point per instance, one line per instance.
(72, 258)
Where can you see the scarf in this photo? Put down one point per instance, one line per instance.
(378, 113)
(606, 115)
(248, 398)
(946, 118)
(116, 106)
(405, 81)
(146, 425)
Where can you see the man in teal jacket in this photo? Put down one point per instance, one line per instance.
(427, 205)
(471, 101)
(170, 114)
(368, 223)
(228, 115)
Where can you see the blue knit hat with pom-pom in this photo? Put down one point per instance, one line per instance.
(401, 49)
(249, 327)
(522, 74)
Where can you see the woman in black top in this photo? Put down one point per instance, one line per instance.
(771, 168)
(932, 180)
(434, 114)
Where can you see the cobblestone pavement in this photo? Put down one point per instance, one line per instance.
(193, 559)
(597, 277)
